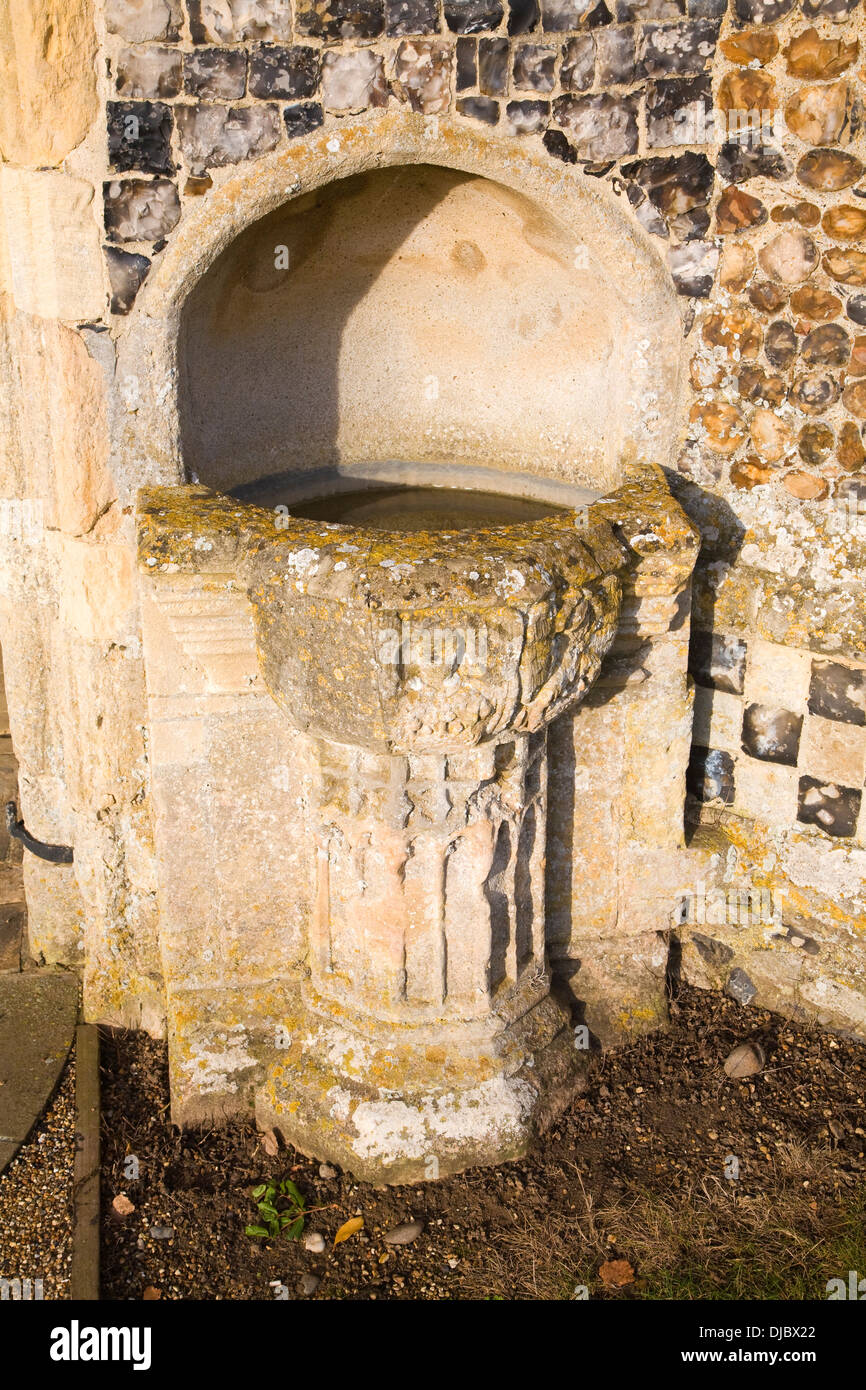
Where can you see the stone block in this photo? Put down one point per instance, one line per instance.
(48, 98)
(52, 250)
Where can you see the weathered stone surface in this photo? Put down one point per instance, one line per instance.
(754, 384)
(353, 81)
(526, 117)
(818, 114)
(738, 210)
(212, 135)
(411, 17)
(342, 19)
(284, 72)
(149, 72)
(139, 137)
(601, 127)
(836, 10)
(494, 56)
(790, 256)
(844, 222)
(142, 20)
(217, 74)
(240, 21)
(422, 73)
(472, 16)
(752, 45)
(682, 49)
(48, 97)
(829, 170)
(127, 272)
(811, 56)
(140, 210)
(301, 119)
(747, 474)
(747, 90)
(806, 487)
(857, 365)
(534, 68)
(50, 244)
(578, 63)
(814, 303)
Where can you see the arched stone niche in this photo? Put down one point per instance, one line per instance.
(449, 297)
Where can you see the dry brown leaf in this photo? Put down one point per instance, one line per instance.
(151, 1294)
(349, 1228)
(615, 1274)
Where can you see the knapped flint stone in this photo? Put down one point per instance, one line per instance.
(829, 170)
(780, 345)
(857, 365)
(353, 81)
(707, 9)
(770, 435)
(856, 309)
(523, 16)
(617, 57)
(735, 329)
(815, 442)
(140, 209)
(807, 214)
(827, 804)
(629, 10)
(301, 119)
(557, 145)
(737, 210)
(755, 385)
(710, 775)
(854, 399)
(737, 266)
(762, 11)
(422, 70)
(140, 21)
(411, 17)
(240, 21)
(493, 58)
(806, 487)
(739, 161)
(127, 272)
(561, 16)
(284, 72)
(148, 72)
(816, 392)
(739, 987)
(139, 136)
(790, 256)
(718, 424)
(772, 734)
(850, 453)
(691, 225)
(747, 90)
(601, 126)
(681, 50)
(674, 183)
(212, 136)
(847, 266)
(755, 45)
(467, 64)
(578, 63)
(678, 110)
(828, 346)
(648, 216)
(472, 16)
(693, 268)
(527, 117)
(837, 692)
(218, 74)
(816, 304)
(718, 661)
(817, 113)
(810, 56)
(599, 16)
(845, 222)
(836, 10)
(479, 109)
(533, 68)
(343, 19)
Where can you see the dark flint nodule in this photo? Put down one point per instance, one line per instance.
(856, 309)
(772, 734)
(762, 11)
(629, 10)
(674, 183)
(556, 144)
(533, 67)
(404, 17)
(837, 692)
(472, 16)
(301, 119)
(527, 117)
(712, 951)
(674, 109)
(523, 16)
(741, 160)
(578, 64)
(493, 57)
(710, 775)
(829, 9)
(479, 109)
(343, 19)
(827, 804)
(155, 72)
(828, 346)
(220, 74)
(780, 344)
(690, 225)
(740, 987)
(707, 9)
(139, 136)
(617, 57)
(127, 272)
(815, 392)
(564, 16)
(718, 661)
(284, 72)
(467, 66)
(678, 50)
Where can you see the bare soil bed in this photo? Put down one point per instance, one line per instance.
(631, 1195)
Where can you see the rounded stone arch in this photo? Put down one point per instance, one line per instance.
(620, 264)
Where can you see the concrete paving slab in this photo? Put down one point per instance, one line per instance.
(38, 1014)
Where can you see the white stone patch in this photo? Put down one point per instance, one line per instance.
(304, 561)
(210, 1068)
(390, 1130)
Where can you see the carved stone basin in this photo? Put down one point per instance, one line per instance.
(423, 670)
